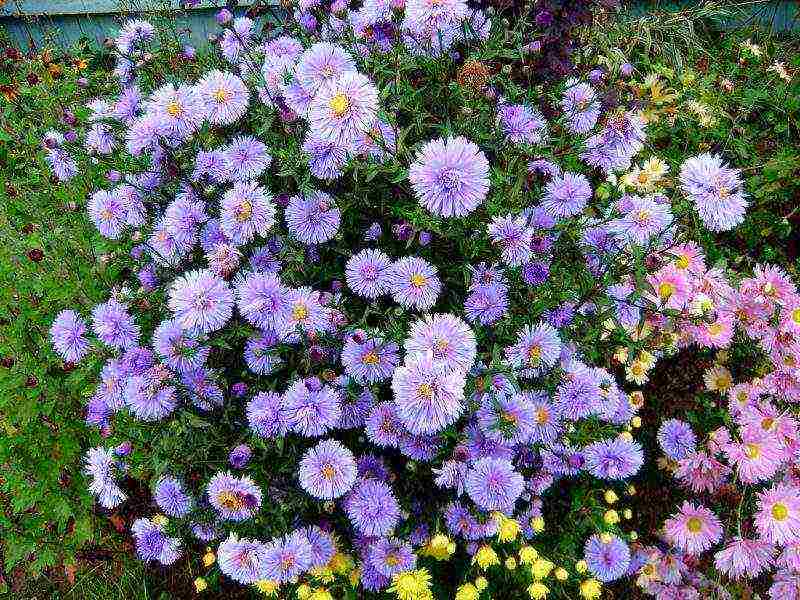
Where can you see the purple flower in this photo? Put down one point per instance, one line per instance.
(149, 396)
(263, 300)
(100, 466)
(390, 556)
(580, 105)
(113, 325)
(344, 108)
(152, 542)
(201, 301)
(108, 213)
(246, 211)
(450, 177)
(326, 158)
(383, 425)
(267, 415)
(225, 97)
(493, 484)
(487, 304)
(68, 335)
(372, 508)
(258, 353)
(366, 273)
(322, 545)
(240, 456)
(578, 396)
(179, 111)
(287, 558)
(514, 238)
(522, 124)
(369, 359)
(716, 191)
(180, 349)
(607, 556)
(328, 470)
(313, 407)
(615, 458)
(537, 349)
(171, 497)
(234, 498)
(429, 396)
(414, 283)
(313, 218)
(642, 219)
(245, 158)
(566, 195)
(322, 64)
(243, 559)
(450, 341)
(676, 439)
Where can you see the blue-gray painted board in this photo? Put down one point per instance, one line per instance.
(102, 7)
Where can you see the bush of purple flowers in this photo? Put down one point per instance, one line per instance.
(388, 315)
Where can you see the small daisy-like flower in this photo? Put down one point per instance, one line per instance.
(718, 379)
(245, 158)
(372, 508)
(313, 407)
(287, 558)
(201, 301)
(234, 498)
(246, 211)
(263, 300)
(493, 484)
(113, 325)
(716, 191)
(778, 516)
(267, 415)
(676, 439)
(537, 348)
(743, 557)
(242, 559)
(152, 543)
(366, 273)
(449, 339)
(328, 470)
(414, 283)
(580, 105)
(694, 529)
(607, 556)
(369, 359)
(108, 213)
(179, 111)
(450, 177)
(383, 425)
(313, 218)
(68, 335)
(225, 97)
(171, 497)
(345, 108)
(392, 556)
(522, 124)
(566, 195)
(323, 63)
(513, 236)
(616, 458)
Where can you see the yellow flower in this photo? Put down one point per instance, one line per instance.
(200, 584)
(581, 566)
(511, 563)
(528, 554)
(611, 517)
(561, 574)
(591, 589)
(541, 568)
(209, 558)
(267, 587)
(636, 422)
(160, 520)
(439, 547)
(631, 490)
(412, 585)
(340, 563)
(467, 592)
(320, 594)
(610, 496)
(636, 372)
(507, 529)
(537, 590)
(626, 435)
(627, 513)
(323, 574)
(537, 524)
(481, 583)
(486, 557)
(718, 379)
(304, 591)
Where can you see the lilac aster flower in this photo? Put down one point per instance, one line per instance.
(108, 212)
(429, 396)
(234, 498)
(171, 497)
(450, 177)
(422, 16)
(578, 396)
(355, 408)
(179, 111)
(313, 407)
(245, 158)
(694, 529)
(225, 97)
(152, 542)
(267, 415)
(63, 165)
(493, 484)
(546, 427)
(744, 558)
(580, 105)
(201, 301)
(522, 124)
(68, 335)
(507, 418)
(616, 458)
(258, 353)
(313, 218)
(100, 466)
(369, 359)
(716, 191)
(326, 158)
(242, 559)
(366, 273)
(113, 325)
(607, 556)
(390, 556)
(643, 219)
(287, 558)
(379, 142)
(149, 396)
(537, 349)
(263, 300)
(240, 456)
(246, 211)
(450, 341)
(180, 349)
(514, 238)
(414, 283)
(487, 305)
(134, 35)
(383, 426)
(566, 195)
(237, 39)
(328, 470)
(322, 545)
(345, 108)
(210, 167)
(372, 508)
(322, 64)
(306, 314)
(100, 139)
(676, 439)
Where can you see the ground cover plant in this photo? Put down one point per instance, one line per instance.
(570, 232)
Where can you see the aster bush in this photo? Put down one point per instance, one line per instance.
(386, 314)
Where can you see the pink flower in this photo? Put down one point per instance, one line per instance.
(670, 287)
(778, 516)
(694, 529)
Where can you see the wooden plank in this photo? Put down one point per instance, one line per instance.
(20, 8)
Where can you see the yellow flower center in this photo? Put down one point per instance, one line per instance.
(327, 472)
(222, 95)
(752, 451)
(715, 329)
(508, 417)
(230, 500)
(370, 358)
(417, 280)
(245, 211)
(780, 511)
(796, 315)
(339, 104)
(682, 262)
(767, 423)
(174, 108)
(542, 416)
(299, 312)
(665, 290)
(534, 354)
(694, 525)
(392, 559)
(425, 391)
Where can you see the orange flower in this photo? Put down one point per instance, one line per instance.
(10, 91)
(55, 70)
(81, 64)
